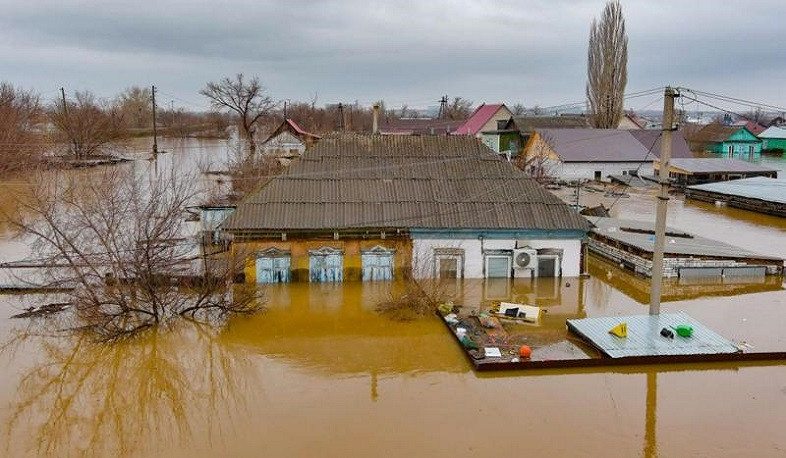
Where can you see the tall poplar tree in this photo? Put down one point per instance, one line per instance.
(607, 62)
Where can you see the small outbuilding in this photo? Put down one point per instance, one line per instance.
(687, 172)
(758, 194)
(631, 243)
(729, 141)
(774, 139)
(289, 140)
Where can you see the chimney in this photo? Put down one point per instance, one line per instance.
(375, 125)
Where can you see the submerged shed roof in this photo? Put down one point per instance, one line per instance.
(373, 181)
(640, 234)
(717, 165)
(761, 188)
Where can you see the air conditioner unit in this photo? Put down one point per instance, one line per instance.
(525, 258)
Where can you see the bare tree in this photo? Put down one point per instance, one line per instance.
(119, 244)
(246, 98)
(87, 126)
(19, 146)
(518, 109)
(136, 106)
(607, 61)
(459, 108)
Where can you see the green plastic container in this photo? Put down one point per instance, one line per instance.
(683, 330)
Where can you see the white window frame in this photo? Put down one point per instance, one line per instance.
(449, 253)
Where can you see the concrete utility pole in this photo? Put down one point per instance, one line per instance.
(663, 198)
(155, 131)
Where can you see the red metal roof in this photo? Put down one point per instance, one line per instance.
(480, 117)
(752, 126)
(299, 129)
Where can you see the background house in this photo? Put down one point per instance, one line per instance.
(420, 126)
(729, 141)
(773, 139)
(373, 207)
(485, 118)
(594, 154)
(289, 140)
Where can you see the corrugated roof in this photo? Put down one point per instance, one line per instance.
(651, 139)
(299, 129)
(762, 188)
(644, 339)
(419, 126)
(718, 165)
(527, 124)
(752, 126)
(715, 133)
(480, 117)
(619, 230)
(774, 132)
(372, 181)
(597, 145)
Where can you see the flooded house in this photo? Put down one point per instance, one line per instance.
(373, 207)
(596, 154)
(729, 141)
(289, 140)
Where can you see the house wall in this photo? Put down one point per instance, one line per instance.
(774, 143)
(503, 114)
(299, 260)
(424, 248)
(586, 170)
(671, 264)
(284, 143)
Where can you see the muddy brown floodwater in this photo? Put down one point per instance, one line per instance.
(321, 374)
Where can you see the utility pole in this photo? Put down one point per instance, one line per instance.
(155, 131)
(72, 146)
(285, 109)
(443, 107)
(663, 198)
(340, 126)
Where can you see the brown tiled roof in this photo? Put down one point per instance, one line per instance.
(527, 124)
(351, 181)
(420, 126)
(713, 133)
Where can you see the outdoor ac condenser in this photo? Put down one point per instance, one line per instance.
(525, 258)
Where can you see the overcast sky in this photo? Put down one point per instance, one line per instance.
(404, 52)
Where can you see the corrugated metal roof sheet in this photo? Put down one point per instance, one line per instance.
(762, 188)
(644, 337)
(717, 165)
(618, 229)
(597, 145)
(774, 132)
(480, 117)
(528, 124)
(367, 181)
(651, 139)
